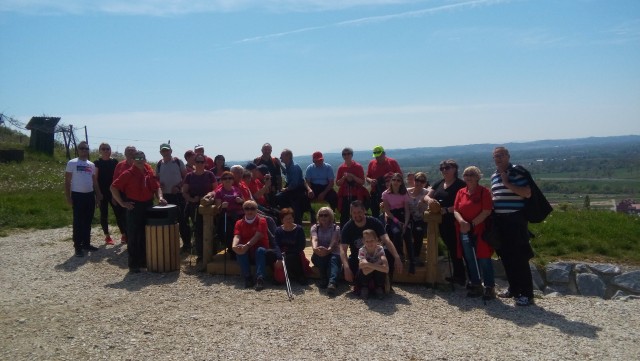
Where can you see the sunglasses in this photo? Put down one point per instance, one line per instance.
(227, 178)
(250, 208)
(138, 158)
(83, 148)
(447, 167)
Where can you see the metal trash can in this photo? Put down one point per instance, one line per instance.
(163, 239)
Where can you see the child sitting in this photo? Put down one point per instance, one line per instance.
(373, 266)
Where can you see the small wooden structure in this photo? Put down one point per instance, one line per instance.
(42, 133)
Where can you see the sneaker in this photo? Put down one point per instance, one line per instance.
(475, 291)
(524, 301)
(259, 284)
(364, 293)
(505, 294)
(79, 253)
(123, 239)
(379, 293)
(90, 248)
(489, 293)
(331, 289)
(108, 240)
(248, 282)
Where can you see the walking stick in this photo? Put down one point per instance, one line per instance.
(226, 247)
(286, 278)
(451, 280)
(475, 260)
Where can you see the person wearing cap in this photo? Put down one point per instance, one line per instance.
(376, 171)
(294, 194)
(259, 184)
(275, 170)
(320, 179)
(209, 164)
(170, 172)
(350, 179)
(82, 192)
(139, 185)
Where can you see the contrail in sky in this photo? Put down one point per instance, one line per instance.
(376, 19)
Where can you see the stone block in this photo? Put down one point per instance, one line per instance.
(538, 282)
(606, 269)
(590, 285)
(629, 281)
(559, 272)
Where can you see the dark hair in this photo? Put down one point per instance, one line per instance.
(285, 212)
(358, 204)
(403, 188)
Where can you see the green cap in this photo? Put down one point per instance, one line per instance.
(377, 151)
(165, 146)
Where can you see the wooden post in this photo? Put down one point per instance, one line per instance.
(433, 218)
(208, 213)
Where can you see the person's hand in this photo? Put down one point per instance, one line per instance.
(397, 265)
(127, 205)
(348, 275)
(310, 194)
(239, 200)
(224, 205)
(162, 201)
(465, 227)
(321, 196)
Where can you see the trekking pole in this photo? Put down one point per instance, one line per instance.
(286, 278)
(451, 280)
(475, 259)
(193, 249)
(226, 247)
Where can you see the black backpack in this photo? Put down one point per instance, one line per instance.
(536, 207)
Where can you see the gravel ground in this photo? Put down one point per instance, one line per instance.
(54, 306)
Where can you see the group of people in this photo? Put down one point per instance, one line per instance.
(263, 203)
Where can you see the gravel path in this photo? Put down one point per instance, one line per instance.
(54, 306)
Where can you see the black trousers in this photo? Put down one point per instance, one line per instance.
(515, 252)
(84, 206)
(183, 222)
(136, 245)
(450, 239)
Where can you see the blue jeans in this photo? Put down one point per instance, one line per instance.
(244, 260)
(483, 264)
(329, 268)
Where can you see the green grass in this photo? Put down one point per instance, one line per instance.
(32, 197)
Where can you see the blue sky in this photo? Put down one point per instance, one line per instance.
(321, 75)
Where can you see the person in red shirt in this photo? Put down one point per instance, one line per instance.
(350, 179)
(376, 170)
(250, 244)
(139, 185)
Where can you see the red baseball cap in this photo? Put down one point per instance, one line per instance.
(317, 156)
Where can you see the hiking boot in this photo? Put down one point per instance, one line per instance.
(524, 301)
(90, 248)
(259, 284)
(108, 240)
(331, 289)
(248, 282)
(475, 291)
(79, 253)
(506, 294)
(123, 239)
(489, 293)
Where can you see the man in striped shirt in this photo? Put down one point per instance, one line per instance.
(509, 189)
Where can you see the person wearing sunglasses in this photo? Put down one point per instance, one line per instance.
(376, 171)
(444, 193)
(250, 244)
(418, 206)
(350, 180)
(82, 193)
(325, 241)
(139, 186)
(196, 185)
(397, 210)
(105, 167)
(228, 197)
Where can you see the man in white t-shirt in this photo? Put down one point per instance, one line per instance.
(83, 193)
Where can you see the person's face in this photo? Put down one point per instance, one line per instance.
(370, 242)
(284, 157)
(227, 180)
(139, 160)
(199, 162)
(165, 152)
(470, 178)
(501, 159)
(318, 163)
(220, 161)
(266, 150)
(191, 159)
(130, 152)
(347, 155)
(447, 170)
(237, 176)
(324, 217)
(199, 151)
(105, 151)
(396, 182)
(288, 219)
(250, 211)
(83, 150)
(358, 215)
(420, 182)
